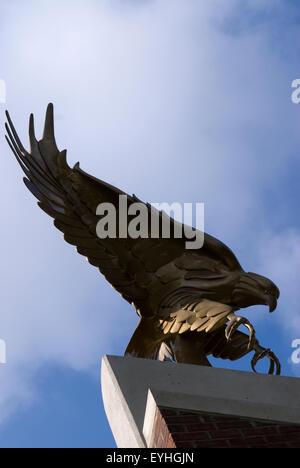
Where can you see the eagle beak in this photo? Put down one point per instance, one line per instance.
(271, 302)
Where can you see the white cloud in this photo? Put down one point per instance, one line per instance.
(279, 258)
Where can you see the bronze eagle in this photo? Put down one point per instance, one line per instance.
(186, 299)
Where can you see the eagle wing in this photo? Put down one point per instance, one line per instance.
(198, 314)
(138, 269)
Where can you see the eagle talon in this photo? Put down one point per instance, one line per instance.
(235, 322)
(260, 353)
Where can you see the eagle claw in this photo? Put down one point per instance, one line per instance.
(260, 353)
(235, 322)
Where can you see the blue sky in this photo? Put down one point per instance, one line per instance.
(172, 100)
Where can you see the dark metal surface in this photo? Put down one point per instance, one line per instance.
(186, 299)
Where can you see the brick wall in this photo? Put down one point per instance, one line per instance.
(181, 429)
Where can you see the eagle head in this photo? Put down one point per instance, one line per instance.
(252, 289)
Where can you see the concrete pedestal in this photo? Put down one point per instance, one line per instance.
(161, 404)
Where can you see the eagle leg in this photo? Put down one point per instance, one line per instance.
(260, 353)
(188, 349)
(234, 322)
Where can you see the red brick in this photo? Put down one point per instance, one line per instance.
(175, 428)
(277, 445)
(158, 443)
(289, 429)
(190, 436)
(210, 444)
(183, 444)
(224, 434)
(283, 438)
(209, 417)
(168, 412)
(223, 424)
(262, 423)
(294, 444)
(178, 428)
(255, 431)
(275, 438)
(246, 442)
(171, 443)
(200, 427)
(181, 420)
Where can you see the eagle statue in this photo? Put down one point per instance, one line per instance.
(187, 299)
